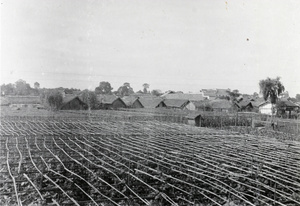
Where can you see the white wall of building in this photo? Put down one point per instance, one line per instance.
(266, 109)
(190, 106)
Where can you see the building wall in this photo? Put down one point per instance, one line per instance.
(162, 104)
(248, 108)
(190, 106)
(266, 109)
(137, 104)
(118, 104)
(75, 104)
(115, 105)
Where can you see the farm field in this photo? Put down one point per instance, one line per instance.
(82, 162)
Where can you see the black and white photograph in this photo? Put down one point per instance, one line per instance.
(150, 102)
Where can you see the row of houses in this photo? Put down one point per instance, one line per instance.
(75, 102)
(179, 101)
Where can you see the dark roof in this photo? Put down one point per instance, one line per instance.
(193, 115)
(69, 98)
(24, 99)
(176, 103)
(243, 104)
(220, 104)
(183, 96)
(129, 100)
(150, 102)
(289, 103)
(257, 102)
(107, 98)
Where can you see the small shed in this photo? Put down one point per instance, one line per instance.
(110, 102)
(73, 103)
(194, 119)
(132, 102)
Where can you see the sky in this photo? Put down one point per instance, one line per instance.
(181, 45)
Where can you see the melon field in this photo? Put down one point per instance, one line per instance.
(84, 162)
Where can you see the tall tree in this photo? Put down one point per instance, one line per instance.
(156, 92)
(54, 100)
(104, 88)
(8, 89)
(146, 87)
(22, 88)
(36, 85)
(89, 98)
(36, 88)
(271, 89)
(233, 95)
(125, 90)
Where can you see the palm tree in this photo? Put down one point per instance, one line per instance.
(271, 89)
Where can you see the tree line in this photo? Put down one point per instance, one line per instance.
(53, 98)
(22, 88)
(269, 88)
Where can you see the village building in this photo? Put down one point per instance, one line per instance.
(265, 108)
(109, 101)
(191, 106)
(286, 106)
(212, 94)
(132, 102)
(256, 102)
(184, 96)
(152, 102)
(24, 101)
(194, 119)
(73, 103)
(209, 93)
(202, 105)
(176, 103)
(221, 105)
(222, 92)
(244, 106)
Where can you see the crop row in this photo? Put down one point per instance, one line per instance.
(143, 163)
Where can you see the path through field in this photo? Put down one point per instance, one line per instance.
(143, 163)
